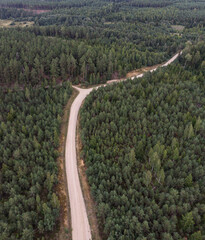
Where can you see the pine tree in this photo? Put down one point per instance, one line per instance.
(198, 124)
(161, 176)
(188, 181)
(196, 236)
(27, 94)
(187, 222)
(147, 178)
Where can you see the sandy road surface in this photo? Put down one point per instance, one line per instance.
(80, 225)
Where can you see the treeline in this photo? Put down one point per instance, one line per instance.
(127, 12)
(143, 145)
(6, 13)
(29, 137)
(187, 13)
(144, 4)
(43, 5)
(29, 59)
(95, 42)
(193, 57)
(139, 36)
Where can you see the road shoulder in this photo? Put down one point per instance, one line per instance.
(89, 202)
(64, 231)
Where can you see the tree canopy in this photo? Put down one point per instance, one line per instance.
(143, 144)
(29, 137)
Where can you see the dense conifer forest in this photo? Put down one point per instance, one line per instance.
(143, 140)
(143, 144)
(29, 137)
(91, 42)
(30, 59)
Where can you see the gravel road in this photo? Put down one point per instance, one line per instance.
(80, 225)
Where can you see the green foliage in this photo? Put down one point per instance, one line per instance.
(53, 59)
(193, 56)
(198, 124)
(187, 222)
(143, 141)
(147, 178)
(188, 181)
(30, 126)
(196, 236)
(91, 42)
(143, 144)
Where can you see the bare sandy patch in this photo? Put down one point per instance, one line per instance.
(36, 11)
(13, 24)
(178, 28)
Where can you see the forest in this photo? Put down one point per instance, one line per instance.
(145, 160)
(90, 42)
(29, 137)
(29, 59)
(143, 145)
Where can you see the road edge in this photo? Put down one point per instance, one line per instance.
(90, 205)
(65, 224)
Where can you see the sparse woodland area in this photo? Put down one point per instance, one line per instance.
(143, 145)
(143, 140)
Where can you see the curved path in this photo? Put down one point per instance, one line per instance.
(80, 225)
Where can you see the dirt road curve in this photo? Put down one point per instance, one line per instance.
(79, 218)
(80, 225)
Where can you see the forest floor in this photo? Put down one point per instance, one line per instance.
(64, 230)
(89, 202)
